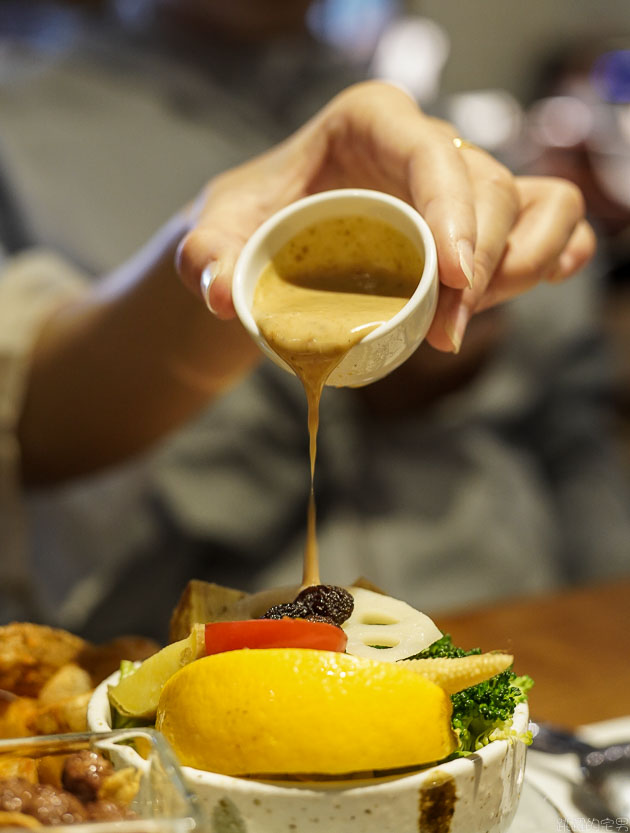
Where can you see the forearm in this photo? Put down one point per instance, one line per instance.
(132, 359)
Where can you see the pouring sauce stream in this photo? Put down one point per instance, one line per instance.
(324, 290)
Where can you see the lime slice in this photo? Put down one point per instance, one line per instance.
(137, 694)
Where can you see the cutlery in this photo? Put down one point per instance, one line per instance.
(606, 769)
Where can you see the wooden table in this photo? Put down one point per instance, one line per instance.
(575, 644)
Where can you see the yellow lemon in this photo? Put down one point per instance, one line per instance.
(296, 710)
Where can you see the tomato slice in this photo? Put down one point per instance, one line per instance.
(273, 633)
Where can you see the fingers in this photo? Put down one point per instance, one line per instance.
(496, 208)
(205, 260)
(225, 215)
(576, 254)
(449, 324)
(471, 203)
(384, 141)
(550, 211)
(496, 235)
(443, 193)
(550, 240)
(353, 143)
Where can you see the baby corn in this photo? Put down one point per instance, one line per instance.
(457, 673)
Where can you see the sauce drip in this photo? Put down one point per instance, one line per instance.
(327, 288)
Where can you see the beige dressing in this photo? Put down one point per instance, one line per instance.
(326, 289)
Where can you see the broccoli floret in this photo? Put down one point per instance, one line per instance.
(444, 647)
(483, 712)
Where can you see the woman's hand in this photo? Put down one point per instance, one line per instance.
(549, 241)
(496, 235)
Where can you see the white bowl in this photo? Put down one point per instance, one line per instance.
(386, 347)
(482, 792)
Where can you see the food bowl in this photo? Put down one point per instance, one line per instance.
(474, 794)
(163, 802)
(391, 343)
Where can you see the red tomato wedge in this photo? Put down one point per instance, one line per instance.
(273, 633)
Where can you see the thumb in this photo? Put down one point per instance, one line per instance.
(205, 261)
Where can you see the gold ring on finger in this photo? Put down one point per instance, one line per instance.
(463, 144)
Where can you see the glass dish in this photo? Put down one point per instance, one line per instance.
(163, 803)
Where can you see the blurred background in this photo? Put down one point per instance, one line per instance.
(113, 113)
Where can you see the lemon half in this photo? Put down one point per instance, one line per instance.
(292, 710)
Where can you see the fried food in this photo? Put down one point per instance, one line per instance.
(69, 715)
(10, 819)
(102, 660)
(69, 681)
(89, 790)
(17, 717)
(19, 767)
(85, 773)
(121, 786)
(201, 602)
(31, 654)
(50, 770)
(47, 676)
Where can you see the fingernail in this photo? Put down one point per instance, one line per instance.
(456, 326)
(566, 263)
(208, 277)
(466, 260)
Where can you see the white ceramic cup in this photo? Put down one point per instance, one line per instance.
(390, 344)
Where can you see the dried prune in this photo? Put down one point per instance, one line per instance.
(290, 610)
(327, 600)
(326, 620)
